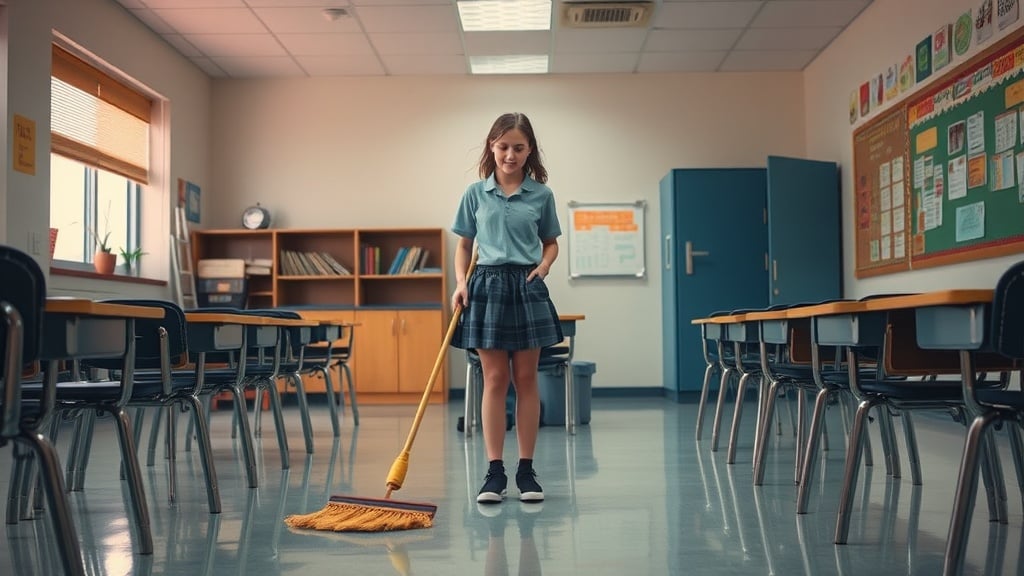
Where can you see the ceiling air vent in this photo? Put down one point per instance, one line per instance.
(606, 14)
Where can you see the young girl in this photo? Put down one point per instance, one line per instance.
(508, 316)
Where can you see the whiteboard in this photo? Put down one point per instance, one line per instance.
(606, 239)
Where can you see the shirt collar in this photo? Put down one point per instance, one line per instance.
(528, 185)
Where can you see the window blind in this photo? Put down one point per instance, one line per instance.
(98, 120)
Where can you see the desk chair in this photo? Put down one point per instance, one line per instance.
(334, 351)
(22, 300)
(988, 407)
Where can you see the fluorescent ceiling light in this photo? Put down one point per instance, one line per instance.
(504, 15)
(516, 64)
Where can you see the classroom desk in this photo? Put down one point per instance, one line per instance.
(78, 329)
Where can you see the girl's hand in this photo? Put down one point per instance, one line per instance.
(541, 271)
(460, 297)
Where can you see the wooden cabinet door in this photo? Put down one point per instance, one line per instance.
(376, 351)
(419, 339)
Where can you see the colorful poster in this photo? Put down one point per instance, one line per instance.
(957, 169)
(970, 222)
(962, 31)
(976, 171)
(854, 106)
(876, 91)
(1006, 130)
(892, 89)
(1007, 12)
(907, 73)
(983, 22)
(940, 47)
(955, 137)
(865, 99)
(1002, 171)
(924, 59)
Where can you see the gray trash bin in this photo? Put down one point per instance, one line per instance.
(552, 393)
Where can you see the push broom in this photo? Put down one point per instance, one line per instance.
(355, 514)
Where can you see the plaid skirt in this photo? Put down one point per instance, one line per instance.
(506, 312)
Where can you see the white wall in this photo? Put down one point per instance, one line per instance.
(884, 33)
(399, 151)
(105, 29)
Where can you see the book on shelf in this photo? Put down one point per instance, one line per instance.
(253, 270)
(294, 263)
(408, 259)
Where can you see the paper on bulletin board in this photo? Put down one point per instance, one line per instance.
(606, 239)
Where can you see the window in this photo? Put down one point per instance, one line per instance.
(99, 160)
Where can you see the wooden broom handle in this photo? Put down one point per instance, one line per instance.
(456, 314)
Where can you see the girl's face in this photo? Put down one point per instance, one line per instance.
(510, 151)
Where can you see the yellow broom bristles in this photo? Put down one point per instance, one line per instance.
(349, 516)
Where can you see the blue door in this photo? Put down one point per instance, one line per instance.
(804, 233)
(714, 244)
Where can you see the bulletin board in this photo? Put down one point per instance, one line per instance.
(967, 160)
(606, 239)
(880, 174)
(959, 148)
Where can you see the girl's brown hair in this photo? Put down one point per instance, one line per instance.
(533, 167)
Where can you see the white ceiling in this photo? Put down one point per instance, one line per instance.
(265, 38)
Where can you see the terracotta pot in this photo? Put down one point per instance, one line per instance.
(104, 262)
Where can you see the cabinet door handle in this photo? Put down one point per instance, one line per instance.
(403, 326)
(775, 270)
(668, 251)
(690, 253)
(394, 328)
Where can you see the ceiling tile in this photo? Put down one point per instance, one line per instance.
(409, 18)
(705, 14)
(399, 2)
(239, 45)
(418, 43)
(501, 43)
(210, 67)
(275, 66)
(325, 44)
(424, 64)
(750, 60)
(570, 63)
(305, 20)
(298, 3)
(787, 38)
(792, 13)
(341, 65)
(690, 40)
(212, 21)
(680, 61)
(182, 45)
(598, 40)
(154, 4)
(155, 23)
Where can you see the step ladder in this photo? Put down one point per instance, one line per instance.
(183, 268)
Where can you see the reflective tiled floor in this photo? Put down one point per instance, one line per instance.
(631, 494)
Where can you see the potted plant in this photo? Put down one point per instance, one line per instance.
(131, 259)
(103, 260)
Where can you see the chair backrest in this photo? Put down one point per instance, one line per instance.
(147, 330)
(1007, 326)
(24, 288)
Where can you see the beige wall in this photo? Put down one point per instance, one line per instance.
(882, 34)
(381, 152)
(108, 31)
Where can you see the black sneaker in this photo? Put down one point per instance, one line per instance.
(529, 489)
(493, 490)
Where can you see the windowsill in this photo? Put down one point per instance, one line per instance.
(107, 277)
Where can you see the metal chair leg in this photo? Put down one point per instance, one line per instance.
(966, 488)
(282, 436)
(998, 487)
(811, 452)
(737, 414)
(332, 408)
(1017, 451)
(172, 452)
(851, 470)
(303, 400)
(205, 453)
(760, 447)
(351, 393)
(801, 434)
(154, 436)
(708, 373)
(470, 399)
(720, 407)
(912, 452)
(242, 418)
(140, 509)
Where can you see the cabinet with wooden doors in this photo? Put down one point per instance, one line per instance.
(391, 282)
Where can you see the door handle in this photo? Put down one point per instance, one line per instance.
(690, 253)
(668, 252)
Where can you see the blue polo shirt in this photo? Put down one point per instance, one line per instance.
(508, 230)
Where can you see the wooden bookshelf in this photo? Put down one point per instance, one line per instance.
(400, 317)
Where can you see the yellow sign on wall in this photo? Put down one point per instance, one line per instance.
(24, 145)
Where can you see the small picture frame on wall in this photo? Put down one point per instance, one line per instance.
(192, 202)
